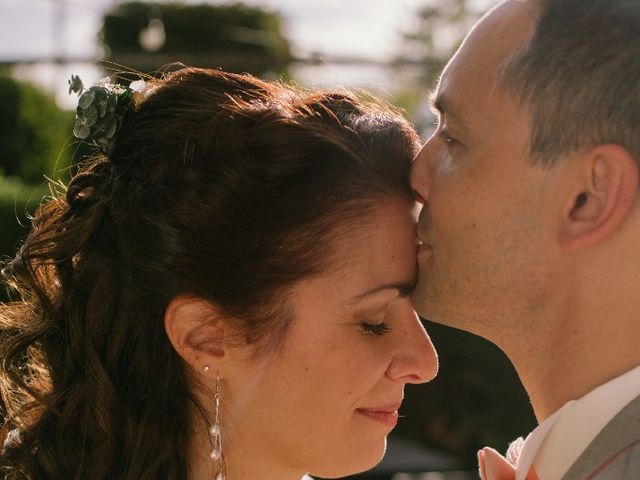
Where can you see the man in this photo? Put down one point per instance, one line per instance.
(531, 223)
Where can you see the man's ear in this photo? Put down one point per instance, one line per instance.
(196, 330)
(601, 197)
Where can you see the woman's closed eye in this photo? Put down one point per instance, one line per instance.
(375, 328)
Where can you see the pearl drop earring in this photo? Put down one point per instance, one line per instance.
(216, 434)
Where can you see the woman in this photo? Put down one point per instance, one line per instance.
(223, 292)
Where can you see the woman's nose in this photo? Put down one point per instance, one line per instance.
(416, 360)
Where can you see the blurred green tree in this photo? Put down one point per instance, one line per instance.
(437, 31)
(33, 132)
(35, 142)
(427, 43)
(235, 37)
(17, 202)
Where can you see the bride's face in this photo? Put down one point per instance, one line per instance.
(325, 402)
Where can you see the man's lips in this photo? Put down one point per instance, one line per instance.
(424, 248)
(386, 414)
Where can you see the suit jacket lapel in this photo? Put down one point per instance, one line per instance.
(615, 439)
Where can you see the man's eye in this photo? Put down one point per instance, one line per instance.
(375, 328)
(446, 137)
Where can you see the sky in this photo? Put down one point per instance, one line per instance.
(364, 28)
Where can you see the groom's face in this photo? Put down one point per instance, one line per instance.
(483, 221)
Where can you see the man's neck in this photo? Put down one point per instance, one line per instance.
(574, 360)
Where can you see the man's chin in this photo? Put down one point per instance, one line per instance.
(432, 309)
(427, 307)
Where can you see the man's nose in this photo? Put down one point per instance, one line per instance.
(420, 175)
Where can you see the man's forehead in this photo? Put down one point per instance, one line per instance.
(503, 31)
(475, 68)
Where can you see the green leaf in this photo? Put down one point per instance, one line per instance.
(90, 115)
(86, 99)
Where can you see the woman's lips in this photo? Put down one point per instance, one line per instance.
(387, 415)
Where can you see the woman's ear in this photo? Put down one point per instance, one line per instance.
(196, 330)
(598, 202)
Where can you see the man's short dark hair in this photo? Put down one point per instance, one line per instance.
(580, 77)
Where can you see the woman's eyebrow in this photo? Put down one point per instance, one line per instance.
(404, 290)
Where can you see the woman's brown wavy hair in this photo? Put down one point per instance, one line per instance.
(218, 185)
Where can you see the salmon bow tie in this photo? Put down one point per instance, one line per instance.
(494, 466)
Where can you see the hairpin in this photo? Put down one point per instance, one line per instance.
(100, 111)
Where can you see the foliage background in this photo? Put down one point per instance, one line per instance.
(233, 37)
(33, 131)
(35, 142)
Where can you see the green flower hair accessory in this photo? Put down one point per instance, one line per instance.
(100, 111)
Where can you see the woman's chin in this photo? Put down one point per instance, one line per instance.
(355, 462)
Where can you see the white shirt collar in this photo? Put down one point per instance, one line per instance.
(531, 445)
(559, 440)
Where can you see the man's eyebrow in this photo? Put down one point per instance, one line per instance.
(441, 104)
(435, 101)
(404, 290)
